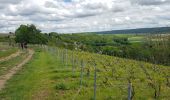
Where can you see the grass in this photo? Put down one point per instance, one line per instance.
(33, 81)
(45, 77)
(136, 39)
(6, 65)
(7, 51)
(124, 35)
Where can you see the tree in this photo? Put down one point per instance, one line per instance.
(54, 39)
(29, 34)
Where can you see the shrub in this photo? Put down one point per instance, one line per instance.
(62, 86)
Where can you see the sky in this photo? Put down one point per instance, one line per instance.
(71, 16)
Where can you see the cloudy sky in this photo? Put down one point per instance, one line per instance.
(67, 16)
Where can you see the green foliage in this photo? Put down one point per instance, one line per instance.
(135, 46)
(47, 77)
(29, 34)
(123, 41)
(7, 52)
(62, 86)
(54, 39)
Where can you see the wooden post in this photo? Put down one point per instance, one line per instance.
(95, 77)
(66, 57)
(130, 91)
(63, 56)
(73, 62)
(58, 53)
(81, 75)
(88, 72)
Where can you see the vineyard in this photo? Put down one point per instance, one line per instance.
(90, 76)
(62, 74)
(84, 50)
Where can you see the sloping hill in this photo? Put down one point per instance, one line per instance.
(71, 75)
(139, 30)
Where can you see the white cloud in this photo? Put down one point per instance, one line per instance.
(127, 18)
(83, 15)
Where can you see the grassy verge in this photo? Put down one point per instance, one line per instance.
(7, 52)
(33, 82)
(6, 65)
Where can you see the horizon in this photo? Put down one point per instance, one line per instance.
(101, 31)
(75, 16)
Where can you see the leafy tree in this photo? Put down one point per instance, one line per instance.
(29, 34)
(54, 39)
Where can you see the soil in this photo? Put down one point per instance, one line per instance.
(12, 71)
(11, 56)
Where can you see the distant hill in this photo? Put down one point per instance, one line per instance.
(4, 34)
(139, 30)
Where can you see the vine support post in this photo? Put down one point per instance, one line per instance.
(73, 62)
(58, 53)
(63, 57)
(81, 75)
(130, 91)
(95, 77)
(66, 54)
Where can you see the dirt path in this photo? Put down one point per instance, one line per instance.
(11, 56)
(11, 72)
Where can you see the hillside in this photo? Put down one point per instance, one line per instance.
(139, 30)
(75, 75)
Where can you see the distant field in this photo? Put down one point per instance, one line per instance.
(136, 39)
(3, 34)
(132, 37)
(3, 37)
(6, 50)
(124, 35)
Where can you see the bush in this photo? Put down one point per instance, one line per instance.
(62, 86)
